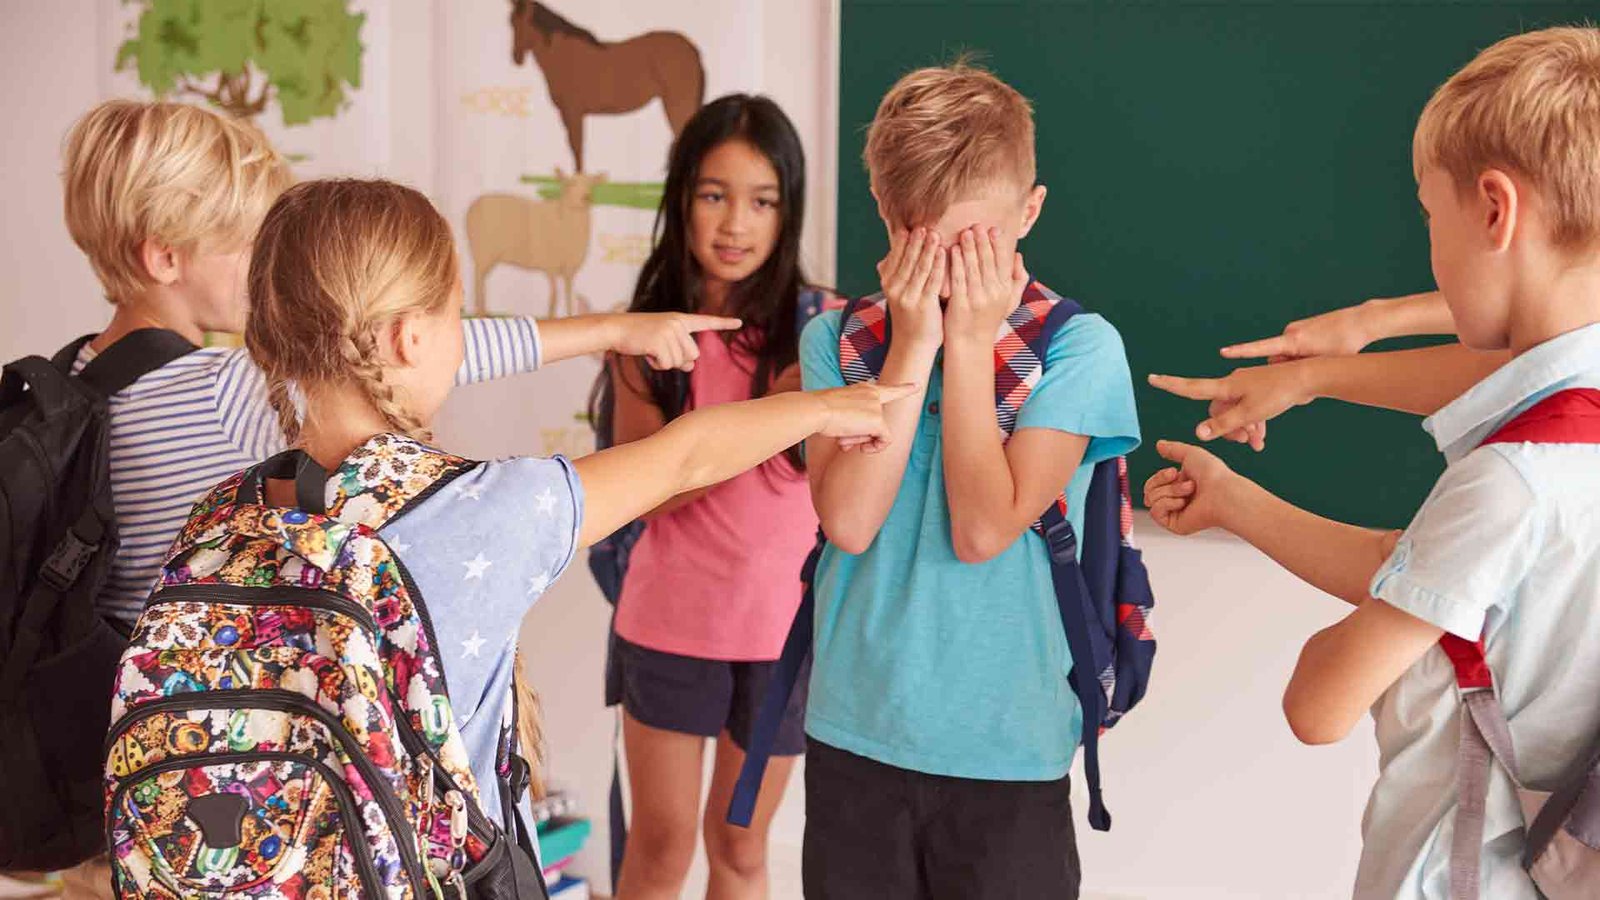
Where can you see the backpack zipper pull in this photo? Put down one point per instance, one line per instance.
(458, 818)
(425, 766)
(458, 834)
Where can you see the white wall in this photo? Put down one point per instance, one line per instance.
(47, 58)
(1212, 797)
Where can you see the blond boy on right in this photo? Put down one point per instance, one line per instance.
(1507, 158)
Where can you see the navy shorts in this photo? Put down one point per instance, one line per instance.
(702, 697)
(876, 831)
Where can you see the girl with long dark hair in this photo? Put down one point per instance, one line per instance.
(713, 581)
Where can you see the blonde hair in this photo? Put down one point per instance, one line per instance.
(530, 728)
(335, 262)
(943, 132)
(184, 176)
(1530, 104)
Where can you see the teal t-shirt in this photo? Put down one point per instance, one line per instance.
(927, 663)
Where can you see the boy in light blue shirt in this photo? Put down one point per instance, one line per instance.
(941, 721)
(1504, 548)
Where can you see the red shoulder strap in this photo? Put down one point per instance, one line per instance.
(1565, 417)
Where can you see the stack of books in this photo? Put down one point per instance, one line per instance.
(562, 833)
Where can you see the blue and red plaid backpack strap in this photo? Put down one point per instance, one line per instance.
(1019, 350)
(863, 338)
(1021, 347)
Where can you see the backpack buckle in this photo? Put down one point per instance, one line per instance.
(1061, 540)
(67, 561)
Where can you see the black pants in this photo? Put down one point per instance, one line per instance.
(879, 832)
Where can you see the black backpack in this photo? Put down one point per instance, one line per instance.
(58, 534)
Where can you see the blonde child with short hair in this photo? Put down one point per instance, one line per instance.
(1507, 161)
(947, 775)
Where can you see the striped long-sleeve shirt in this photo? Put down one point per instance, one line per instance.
(182, 428)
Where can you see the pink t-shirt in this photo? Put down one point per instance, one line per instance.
(720, 577)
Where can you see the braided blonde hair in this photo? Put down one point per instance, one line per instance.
(335, 262)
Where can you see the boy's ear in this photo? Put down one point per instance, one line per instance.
(877, 204)
(1030, 210)
(162, 263)
(1501, 207)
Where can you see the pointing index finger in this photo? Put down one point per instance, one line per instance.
(1191, 388)
(702, 322)
(1272, 346)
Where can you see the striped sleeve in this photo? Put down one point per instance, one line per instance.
(498, 347)
(246, 416)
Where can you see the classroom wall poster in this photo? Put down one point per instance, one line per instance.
(551, 126)
(555, 127)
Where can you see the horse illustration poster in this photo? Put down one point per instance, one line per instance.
(554, 125)
(587, 76)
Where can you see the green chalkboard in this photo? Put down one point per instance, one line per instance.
(1216, 169)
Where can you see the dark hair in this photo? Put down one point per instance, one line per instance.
(671, 279)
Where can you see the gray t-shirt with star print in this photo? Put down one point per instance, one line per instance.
(481, 551)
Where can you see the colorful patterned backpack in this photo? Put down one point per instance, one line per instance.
(281, 726)
(1104, 598)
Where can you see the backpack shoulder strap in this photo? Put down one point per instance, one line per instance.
(388, 475)
(131, 357)
(1565, 417)
(1023, 347)
(863, 338)
(68, 355)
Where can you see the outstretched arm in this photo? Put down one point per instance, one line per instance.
(1415, 381)
(666, 340)
(502, 346)
(1349, 330)
(710, 445)
(1202, 492)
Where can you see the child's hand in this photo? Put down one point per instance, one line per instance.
(1342, 332)
(983, 290)
(1191, 497)
(666, 340)
(911, 275)
(1245, 397)
(855, 414)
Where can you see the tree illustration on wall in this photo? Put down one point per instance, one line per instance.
(239, 55)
